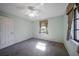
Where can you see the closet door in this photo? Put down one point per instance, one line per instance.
(7, 31)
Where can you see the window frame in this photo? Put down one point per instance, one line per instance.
(75, 26)
(46, 25)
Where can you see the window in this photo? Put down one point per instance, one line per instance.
(76, 25)
(44, 26)
(43, 29)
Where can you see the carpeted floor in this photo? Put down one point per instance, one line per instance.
(35, 47)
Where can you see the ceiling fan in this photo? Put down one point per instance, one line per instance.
(33, 11)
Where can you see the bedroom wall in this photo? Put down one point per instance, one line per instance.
(55, 29)
(13, 30)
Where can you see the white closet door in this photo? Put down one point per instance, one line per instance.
(7, 31)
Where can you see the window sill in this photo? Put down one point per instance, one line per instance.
(77, 43)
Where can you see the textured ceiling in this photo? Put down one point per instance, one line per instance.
(46, 11)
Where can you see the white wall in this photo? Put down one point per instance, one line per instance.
(70, 45)
(14, 30)
(55, 29)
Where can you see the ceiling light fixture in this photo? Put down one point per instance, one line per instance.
(33, 11)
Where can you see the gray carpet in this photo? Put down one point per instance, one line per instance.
(28, 48)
